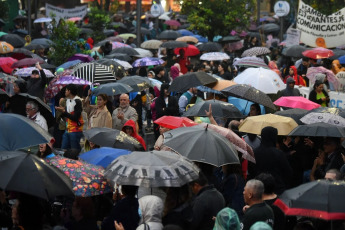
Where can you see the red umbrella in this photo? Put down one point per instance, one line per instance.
(26, 62)
(189, 51)
(74, 19)
(172, 23)
(318, 53)
(7, 60)
(172, 122)
(296, 102)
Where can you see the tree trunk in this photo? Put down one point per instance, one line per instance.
(106, 5)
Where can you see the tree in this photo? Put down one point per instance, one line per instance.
(99, 20)
(218, 17)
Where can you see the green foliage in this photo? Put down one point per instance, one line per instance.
(326, 7)
(64, 37)
(4, 9)
(218, 17)
(99, 19)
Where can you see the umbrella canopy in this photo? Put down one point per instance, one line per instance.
(251, 62)
(118, 69)
(219, 109)
(7, 60)
(42, 41)
(295, 114)
(87, 179)
(138, 83)
(26, 173)
(147, 61)
(151, 44)
(85, 31)
(30, 134)
(188, 39)
(113, 88)
(81, 57)
(265, 80)
(204, 145)
(22, 51)
(26, 62)
(68, 64)
(318, 130)
(116, 45)
(5, 48)
(188, 51)
(322, 199)
(143, 53)
(172, 122)
(143, 30)
(337, 54)
(74, 19)
(256, 51)
(124, 64)
(120, 56)
(269, 27)
(103, 156)
(185, 32)
(249, 93)
(296, 102)
(125, 50)
(336, 111)
(230, 38)
(172, 22)
(94, 72)
(327, 118)
(106, 137)
(200, 38)
(255, 124)
(222, 84)
(318, 53)
(313, 71)
(152, 169)
(294, 51)
(58, 83)
(25, 72)
(169, 35)
(14, 39)
(40, 20)
(189, 80)
(210, 47)
(214, 56)
(174, 44)
(125, 36)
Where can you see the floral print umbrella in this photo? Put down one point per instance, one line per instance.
(88, 180)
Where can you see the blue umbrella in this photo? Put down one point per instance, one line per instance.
(243, 105)
(200, 38)
(185, 32)
(342, 60)
(103, 156)
(68, 64)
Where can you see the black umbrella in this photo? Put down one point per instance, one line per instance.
(22, 51)
(174, 44)
(219, 109)
(322, 199)
(106, 137)
(48, 66)
(26, 173)
(294, 51)
(318, 130)
(20, 132)
(94, 72)
(337, 54)
(42, 41)
(138, 83)
(2, 22)
(201, 145)
(115, 66)
(210, 47)
(20, 17)
(14, 39)
(120, 56)
(118, 24)
(230, 39)
(169, 35)
(269, 27)
(189, 80)
(143, 30)
(112, 89)
(34, 47)
(21, 32)
(108, 32)
(295, 114)
(125, 50)
(184, 26)
(249, 93)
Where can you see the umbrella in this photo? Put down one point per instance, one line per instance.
(26, 173)
(174, 44)
(74, 19)
(269, 28)
(151, 44)
(295, 114)
(336, 111)
(106, 137)
(165, 16)
(138, 83)
(294, 51)
(327, 118)
(172, 23)
(108, 32)
(40, 20)
(143, 30)
(319, 129)
(116, 45)
(188, 39)
(249, 93)
(152, 169)
(103, 156)
(172, 122)
(265, 80)
(120, 56)
(219, 109)
(169, 35)
(94, 72)
(341, 60)
(42, 41)
(147, 61)
(26, 62)
(87, 179)
(143, 53)
(21, 32)
(210, 47)
(34, 47)
(255, 124)
(124, 64)
(22, 51)
(68, 64)
(185, 32)
(318, 53)
(58, 83)
(189, 80)
(81, 57)
(251, 62)
(25, 72)
(118, 24)
(222, 84)
(114, 39)
(126, 36)
(322, 199)
(256, 51)
(7, 60)
(113, 88)
(313, 71)
(296, 102)
(337, 54)
(5, 48)
(125, 50)
(188, 51)
(14, 39)
(112, 64)
(204, 145)
(214, 56)
(20, 132)
(200, 38)
(230, 38)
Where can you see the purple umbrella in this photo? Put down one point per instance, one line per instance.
(81, 57)
(119, 45)
(147, 61)
(65, 80)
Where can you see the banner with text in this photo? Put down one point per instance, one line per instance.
(319, 30)
(79, 11)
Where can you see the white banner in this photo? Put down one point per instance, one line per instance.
(292, 37)
(319, 30)
(79, 11)
(337, 99)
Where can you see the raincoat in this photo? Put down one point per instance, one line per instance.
(151, 208)
(131, 123)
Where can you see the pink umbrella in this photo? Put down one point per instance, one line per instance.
(26, 62)
(313, 71)
(74, 19)
(172, 23)
(296, 102)
(7, 60)
(119, 45)
(318, 53)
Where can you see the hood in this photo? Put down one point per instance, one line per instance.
(174, 72)
(289, 80)
(320, 76)
(269, 136)
(227, 219)
(130, 123)
(294, 70)
(151, 209)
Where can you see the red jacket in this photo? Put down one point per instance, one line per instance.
(131, 123)
(298, 79)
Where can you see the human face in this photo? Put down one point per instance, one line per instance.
(292, 85)
(42, 148)
(319, 88)
(149, 75)
(291, 71)
(246, 194)
(253, 111)
(329, 146)
(67, 93)
(220, 68)
(166, 92)
(163, 129)
(129, 130)
(124, 101)
(100, 102)
(35, 75)
(30, 111)
(16, 89)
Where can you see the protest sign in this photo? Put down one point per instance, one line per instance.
(79, 11)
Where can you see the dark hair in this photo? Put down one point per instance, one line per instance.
(305, 59)
(45, 153)
(337, 173)
(73, 89)
(172, 227)
(202, 180)
(30, 212)
(129, 190)
(268, 181)
(163, 87)
(224, 66)
(86, 207)
(158, 69)
(257, 107)
(103, 96)
(142, 72)
(35, 72)
(21, 85)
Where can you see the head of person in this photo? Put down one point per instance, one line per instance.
(19, 86)
(151, 209)
(124, 100)
(333, 174)
(35, 74)
(260, 225)
(174, 72)
(268, 181)
(253, 40)
(331, 144)
(83, 208)
(151, 74)
(102, 100)
(318, 86)
(222, 67)
(71, 91)
(227, 218)
(31, 108)
(199, 183)
(305, 61)
(128, 130)
(254, 110)
(164, 90)
(253, 192)
(193, 90)
(292, 71)
(269, 136)
(290, 83)
(160, 71)
(163, 129)
(129, 190)
(44, 150)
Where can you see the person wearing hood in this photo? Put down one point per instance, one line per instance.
(327, 86)
(271, 160)
(290, 89)
(293, 73)
(227, 218)
(130, 129)
(151, 208)
(37, 83)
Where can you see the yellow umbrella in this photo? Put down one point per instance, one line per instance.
(255, 124)
(5, 48)
(126, 36)
(187, 39)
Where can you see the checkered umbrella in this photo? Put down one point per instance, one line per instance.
(256, 51)
(94, 72)
(251, 62)
(214, 56)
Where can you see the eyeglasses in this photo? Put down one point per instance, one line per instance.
(28, 109)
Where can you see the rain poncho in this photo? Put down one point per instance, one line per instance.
(151, 208)
(227, 219)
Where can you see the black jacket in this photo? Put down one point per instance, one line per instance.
(312, 97)
(163, 110)
(36, 86)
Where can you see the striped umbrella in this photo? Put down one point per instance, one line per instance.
(251, 62)
(94, 72)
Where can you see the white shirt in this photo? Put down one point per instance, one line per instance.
(41, 121)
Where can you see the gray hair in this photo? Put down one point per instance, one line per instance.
(33, 105)
(257, 188)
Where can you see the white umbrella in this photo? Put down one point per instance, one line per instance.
(143, 53)
(262, 79)
(328, 118)
(164, 16)
(124, 64)
(40, 20)
(214, 56)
